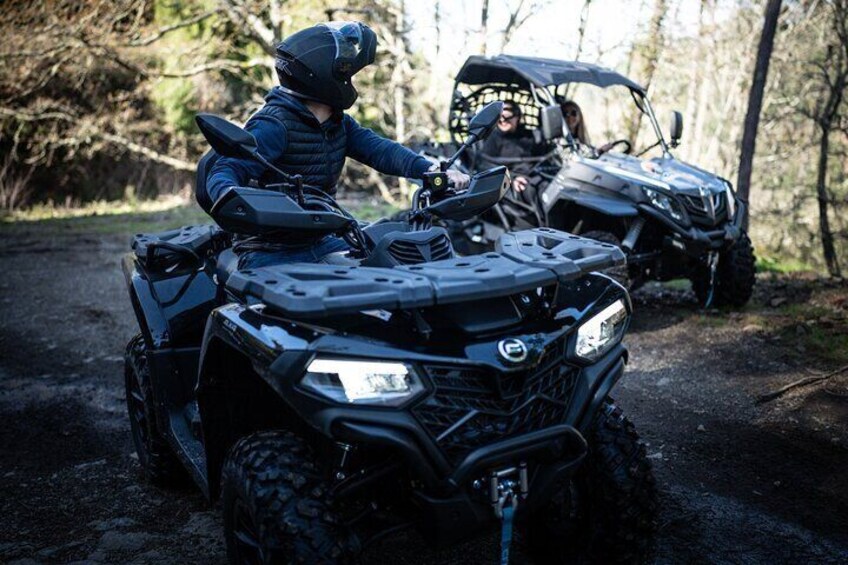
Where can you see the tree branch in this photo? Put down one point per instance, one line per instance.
(254, 26)
(768, 397)
(162, 31)
(220, 65)
(151, 154)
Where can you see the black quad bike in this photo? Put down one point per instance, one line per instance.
(671, 218)
(328, 405)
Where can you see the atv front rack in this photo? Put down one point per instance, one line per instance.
(525, 260)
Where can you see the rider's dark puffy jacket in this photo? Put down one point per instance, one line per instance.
(291, 138)
(516, 144)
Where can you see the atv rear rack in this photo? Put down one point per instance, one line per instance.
(524, 261)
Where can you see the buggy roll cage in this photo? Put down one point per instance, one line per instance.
(532, 83)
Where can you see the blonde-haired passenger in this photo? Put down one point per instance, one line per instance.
(577, 125)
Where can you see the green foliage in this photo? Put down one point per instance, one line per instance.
(771, 264)
(175, 97)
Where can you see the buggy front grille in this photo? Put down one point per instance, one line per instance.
(700, 209)
(473, 407)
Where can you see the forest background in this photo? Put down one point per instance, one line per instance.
(97, 98)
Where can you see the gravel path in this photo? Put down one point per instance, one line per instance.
(740, 483)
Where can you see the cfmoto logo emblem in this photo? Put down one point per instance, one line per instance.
(512, 350)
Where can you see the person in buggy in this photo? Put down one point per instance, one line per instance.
(302, 129)
(576, 123)
(512, 140)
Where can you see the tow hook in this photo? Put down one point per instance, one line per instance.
(506, 488)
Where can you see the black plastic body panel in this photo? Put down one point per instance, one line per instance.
(608, 205)
(396, 247)
(171, 306)
(257, 211)
(530, 260)
(160, 251)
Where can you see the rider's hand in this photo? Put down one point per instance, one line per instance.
(604, 148)
(520, 183)
(459, 179)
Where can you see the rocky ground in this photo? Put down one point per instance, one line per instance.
(741, 482)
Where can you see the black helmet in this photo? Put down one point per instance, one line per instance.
(317, 63)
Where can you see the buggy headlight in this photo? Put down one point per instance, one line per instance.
(731, 200)
(664, 202)
(602, 331)
(362, 382)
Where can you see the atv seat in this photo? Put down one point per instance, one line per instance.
(227, 264)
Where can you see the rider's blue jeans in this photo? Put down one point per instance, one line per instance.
(293, 253)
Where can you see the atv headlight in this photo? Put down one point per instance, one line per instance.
(731, 200)
(362, 382)
(664, 202)
(602, 331)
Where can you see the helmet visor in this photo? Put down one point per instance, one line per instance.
(349, 42)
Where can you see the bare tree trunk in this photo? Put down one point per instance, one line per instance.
(437, 17)
(581, 29)
(828, 249)
(755, 103)
(581, 34)
(484, 27)
(696, 70)
(648, 57)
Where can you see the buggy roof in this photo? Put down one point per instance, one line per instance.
(511, 69)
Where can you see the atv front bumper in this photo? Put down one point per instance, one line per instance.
(452, 495)
(695, 241)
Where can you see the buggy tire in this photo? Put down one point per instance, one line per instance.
(606, 513)
(276, 505)
(734, 279)
(158, 461)
(621, 274)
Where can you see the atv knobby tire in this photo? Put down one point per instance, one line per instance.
(276, 506)
(158, 461)
(734, 278)
(620, 273)
(606, 513)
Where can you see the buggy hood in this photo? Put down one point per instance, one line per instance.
(664, 172)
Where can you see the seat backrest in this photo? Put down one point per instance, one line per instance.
(203, 167)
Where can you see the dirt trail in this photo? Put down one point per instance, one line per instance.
(740, 483)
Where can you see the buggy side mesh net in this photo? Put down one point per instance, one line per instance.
(467, 101)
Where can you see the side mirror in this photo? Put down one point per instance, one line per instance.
(551, 121)
(226, 138)
(676, 130)
(483, 122)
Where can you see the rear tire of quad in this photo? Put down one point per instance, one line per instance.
(276, 506)
(734, 278)
(158, 461)
(621, 274)
(606, 513)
